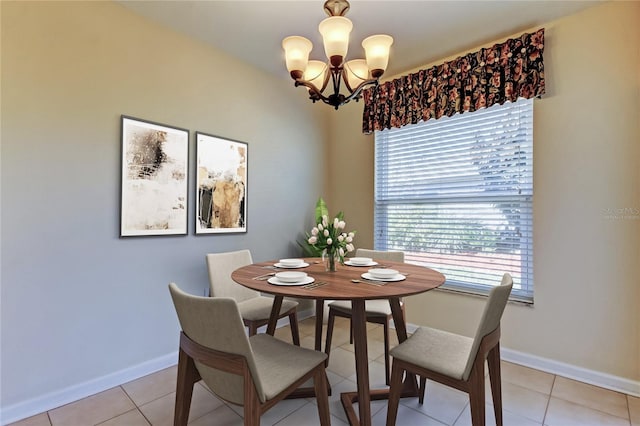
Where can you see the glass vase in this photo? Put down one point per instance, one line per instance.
(330, 259)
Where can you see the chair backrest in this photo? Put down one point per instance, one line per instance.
(498, 297)
(394, 256)
(220, 266)
(215, 322)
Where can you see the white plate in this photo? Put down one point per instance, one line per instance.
(368, 276)
(291, 276)
(291, 262)
(372, 263)
(382, 273)
(280, 265)
(275, 281)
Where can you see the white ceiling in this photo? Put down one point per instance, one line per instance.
(423, 30)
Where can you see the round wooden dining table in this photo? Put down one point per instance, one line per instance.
(339, 285)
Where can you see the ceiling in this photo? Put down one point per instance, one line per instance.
(423, 30)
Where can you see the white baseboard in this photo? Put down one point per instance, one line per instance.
(40, 404)
(596, 378)
(52, 400)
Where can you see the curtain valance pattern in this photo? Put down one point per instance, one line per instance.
(504, 72)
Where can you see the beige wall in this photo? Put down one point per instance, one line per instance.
(586, 167)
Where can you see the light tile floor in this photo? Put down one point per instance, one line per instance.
(530, 398)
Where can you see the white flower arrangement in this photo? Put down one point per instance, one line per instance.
(329, 235)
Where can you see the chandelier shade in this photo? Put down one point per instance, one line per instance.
(356, 74)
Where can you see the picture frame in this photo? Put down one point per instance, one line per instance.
(221, 185)
(154, 183)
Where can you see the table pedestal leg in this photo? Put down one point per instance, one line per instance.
(358, 318)
(364, 396)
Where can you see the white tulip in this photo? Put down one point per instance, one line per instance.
(326, 232)
(351, 234)
(325, 220)
(312, 240)
(335, 222)
(320, 227)
(350, 247)
(341, 224)
(348, 239)
(340, 238)
(341, 252)
(329, 241)
(314, 231)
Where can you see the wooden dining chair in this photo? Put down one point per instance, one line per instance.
(376, 311)
(454, 360)
(254, 308)
(255, 372)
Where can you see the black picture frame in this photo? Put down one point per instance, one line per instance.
(154, 179)
(221, 185)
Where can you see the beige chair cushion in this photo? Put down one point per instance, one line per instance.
(372, 307)
(436, 350)
(215, 322)
(259, 308)
(280, 364)
(220, 267)
(451, 354)
(394, 256)
(493, 310)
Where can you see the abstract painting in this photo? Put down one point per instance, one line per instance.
(221, 185)
(154, 179)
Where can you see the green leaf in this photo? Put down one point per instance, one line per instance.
(321, 210)
(309, 250)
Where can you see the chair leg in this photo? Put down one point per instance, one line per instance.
(476, 394)
(295, 333)
(394, 393)
(493, 361)
(251, 402)
(253, 328)
(187, 376)
(350, 331)
(327, 344)
(423, 388)
(386, 351)
(322, 395)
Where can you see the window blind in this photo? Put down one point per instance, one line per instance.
(455, 194)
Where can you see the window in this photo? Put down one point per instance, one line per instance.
(455, 194)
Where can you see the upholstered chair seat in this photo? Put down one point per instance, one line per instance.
(255, 372)
(255, 309)
(454, 360)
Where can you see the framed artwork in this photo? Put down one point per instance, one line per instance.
(154, 179)
(221, 185)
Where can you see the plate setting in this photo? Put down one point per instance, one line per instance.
(275, 281)
(397, 277)
(350, 263)
(300, 265)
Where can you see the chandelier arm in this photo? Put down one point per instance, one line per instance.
(335, 78)
(346, 80)
(355, 94)
(335, 99)
(314, 93)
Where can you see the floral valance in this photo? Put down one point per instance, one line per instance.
(504, 72)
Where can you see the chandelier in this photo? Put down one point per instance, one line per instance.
(356, 74)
